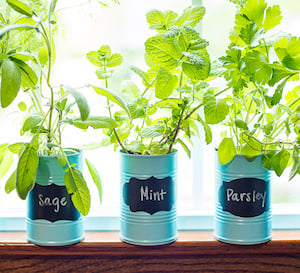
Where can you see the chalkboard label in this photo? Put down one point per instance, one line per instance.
(150, 195)
(52, 203)
(245, 197)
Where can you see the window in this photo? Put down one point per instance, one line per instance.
(125, 29)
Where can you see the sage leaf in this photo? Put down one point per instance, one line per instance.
(10, 184)
(185, 147)
(96, 178)
(226, 151)
(10, 82)
(96, 122)
(26, 171)
(20, 7)
(77, 187)
(207, 130)
(6, 163)
(81, 102)
(9, 28)
(31, 122)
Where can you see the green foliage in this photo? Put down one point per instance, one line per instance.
(27, 55)
(262, 115)
(164, 114)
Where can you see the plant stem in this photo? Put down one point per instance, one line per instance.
(177, 129)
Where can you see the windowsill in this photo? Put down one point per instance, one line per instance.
(195, 251)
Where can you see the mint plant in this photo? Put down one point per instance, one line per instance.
(160, 112)
(27, 66)
(263, 116)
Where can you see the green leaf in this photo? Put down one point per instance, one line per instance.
(258, 67)
(191, 16)
(6, 163)
(280, 161)
(52, 8)
(27, 71)
(152, 131)
(296, 165)
(165, 84)
(22, 106)
(16, 147)
(198, 67)
(96, 122)
(130, 90)
(241, 124)
(207, 130)
(92, 56)
(278, 92)
(254, 10)
(115, 60)
(10, 82)
(273, 17)
(170, 102)
(142, 74)
(9, 28)
(250, 152)
(20, 7)
(31, 122)
(136, 147)
(114, 98)
(43, 55)
(164, 52)
(77, 187)
(185, 147)
(61, 158)
(159, 20)
(96, 178)
(26, 171)
(215, 110)
(10, 184)
(81, 102)
(226, 151)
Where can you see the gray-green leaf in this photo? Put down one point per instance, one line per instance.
(96, 178)
(26, 171)
(96, 122)
(81, 102)
(10, 82)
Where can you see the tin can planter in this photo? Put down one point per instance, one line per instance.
(148, 199)
(243, 212)
(52, 219)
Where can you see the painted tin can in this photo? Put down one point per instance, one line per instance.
(148, 199)
(52, 219)
(243, 202)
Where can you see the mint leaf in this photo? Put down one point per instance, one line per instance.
(165, 53)
(191, 16)
(161, 21)
(215, 110)
(165, 84)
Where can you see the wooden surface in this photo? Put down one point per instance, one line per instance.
(193, 252)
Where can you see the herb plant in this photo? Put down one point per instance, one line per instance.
(162, 111)
(263, 117)
(28, 67)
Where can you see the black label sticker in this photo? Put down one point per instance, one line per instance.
(150, 195)
(245, 197)
(52, 203)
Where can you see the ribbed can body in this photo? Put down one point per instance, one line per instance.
(243, 202)
(148, 199)
(52, 219)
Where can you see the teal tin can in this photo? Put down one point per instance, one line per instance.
(243, 202)
(148, 199)
(52, 219)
